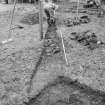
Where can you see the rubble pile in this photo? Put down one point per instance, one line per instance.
(69, 22)
(88, 39)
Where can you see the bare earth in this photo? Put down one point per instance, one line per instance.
(19, 58)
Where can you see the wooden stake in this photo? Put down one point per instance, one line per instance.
(10, 39)
(41, 19)
(77, 8)
(11, 19)
(64, 48)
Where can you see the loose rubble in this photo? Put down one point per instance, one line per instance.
(69, 22)
(88, 39)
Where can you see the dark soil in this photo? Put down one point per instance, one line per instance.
(52, 41)
(64, 91)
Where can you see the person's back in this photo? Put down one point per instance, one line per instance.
(99, 4)
(49, 9)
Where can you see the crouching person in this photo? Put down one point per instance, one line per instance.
(49, 9)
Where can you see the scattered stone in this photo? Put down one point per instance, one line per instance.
(88, 39)
(51, 47)
(69, 22)
(84, 19)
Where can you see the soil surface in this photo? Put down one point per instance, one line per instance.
(29, 67)
(73, 94)
(19, 57)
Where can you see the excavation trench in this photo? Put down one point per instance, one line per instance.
(63, 90)
(51, 46)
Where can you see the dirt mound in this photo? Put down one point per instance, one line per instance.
(64, 91)
(31, 18)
